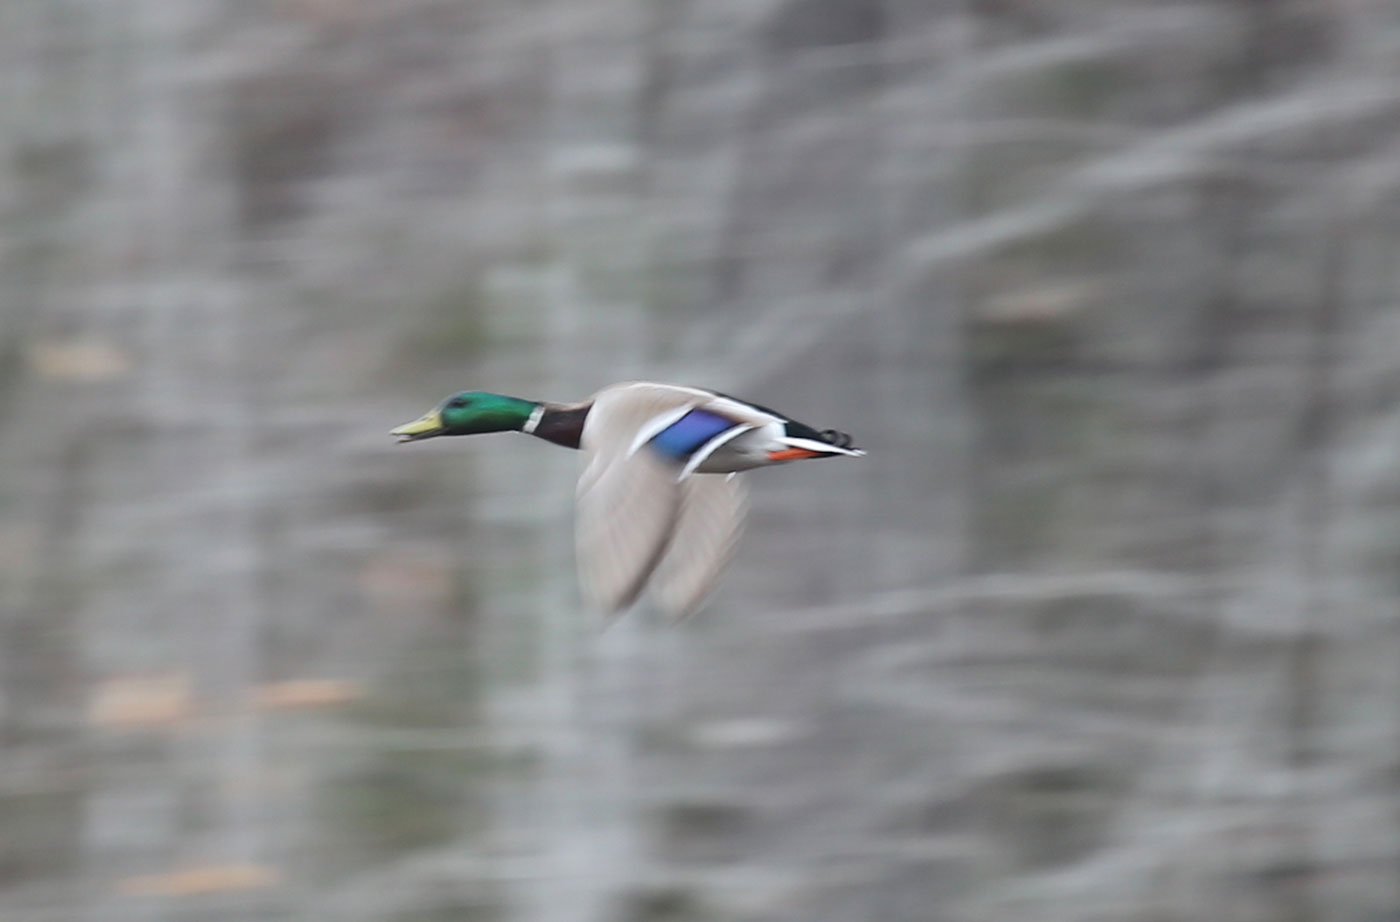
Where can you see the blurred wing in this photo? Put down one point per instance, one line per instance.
(645, 395)
(708, 521)
(624, 414)
(627, 500)
(630, 500)
(627, 508)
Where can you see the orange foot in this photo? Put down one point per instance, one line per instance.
(793, 454)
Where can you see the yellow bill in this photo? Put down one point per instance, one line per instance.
(429, 424)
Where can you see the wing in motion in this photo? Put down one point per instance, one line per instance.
(627, 507)
(639, 505)
(706, 529)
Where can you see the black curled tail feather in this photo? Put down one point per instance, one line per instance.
(828, 436)
(837, 438)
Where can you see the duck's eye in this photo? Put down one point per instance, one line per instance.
(457, 402)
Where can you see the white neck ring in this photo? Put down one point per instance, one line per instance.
(533, 422)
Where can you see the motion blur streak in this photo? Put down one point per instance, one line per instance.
(1103, 627)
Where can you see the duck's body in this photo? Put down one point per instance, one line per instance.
(646, 512)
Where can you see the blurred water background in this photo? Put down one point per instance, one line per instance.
(1104, 628)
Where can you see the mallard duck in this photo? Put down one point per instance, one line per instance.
(650, 512)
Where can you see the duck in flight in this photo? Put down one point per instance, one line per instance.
(658, 506)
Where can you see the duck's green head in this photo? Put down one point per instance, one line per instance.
(469, 413)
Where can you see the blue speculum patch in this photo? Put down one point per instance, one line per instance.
(687, 434)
